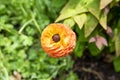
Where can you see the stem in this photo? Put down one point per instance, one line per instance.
(4, 70)
(37, 26)
(2, 67)
(23, 10)
(21, 29)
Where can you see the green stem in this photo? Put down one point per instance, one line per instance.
(2, 67)
(23, 10)
(37, 26)
(21, 29)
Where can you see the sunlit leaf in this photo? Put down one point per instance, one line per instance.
(69, 22)
(103, 20)
(93, 8)
(80, 20)
(104, 3)
(72, 8)
(70, 5)
(90, 24)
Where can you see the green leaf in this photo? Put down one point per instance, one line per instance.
(72, 76)
(117, 42)
(69, 22)
(78, 51)
(4, 41)
(103, 20)
(72, 8)
(93, 49)
(70, 5)
(90, 24)
(104, 3)
(80, 19)
(116, 63)
(93, 8)
(80, 44)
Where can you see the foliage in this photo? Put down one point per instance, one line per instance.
(96, 23)
(21, 56)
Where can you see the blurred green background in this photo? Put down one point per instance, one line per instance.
(21, 23)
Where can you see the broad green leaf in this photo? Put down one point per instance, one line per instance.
(80, 46)
(116, 63)
(93, 8)
(70, 5)
(80, 19)
(80, 34)
(73, 8)
(90, 24)
(69, 22)
(103, 20)
(93, 49)
(72, 76)
(104, 3)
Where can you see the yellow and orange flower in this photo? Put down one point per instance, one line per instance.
(58, 40)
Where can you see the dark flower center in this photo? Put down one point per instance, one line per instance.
(56, 37)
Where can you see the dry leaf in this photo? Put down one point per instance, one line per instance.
(92, 39)
(99, 41)
(102, 40)
(17, 75)
(107, 9)
(109, 31)
(98, 44)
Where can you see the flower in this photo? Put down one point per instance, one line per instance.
(58, 40)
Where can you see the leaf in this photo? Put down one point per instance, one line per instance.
(70, 5)
(117, 44)
(80, 19)
(93, 8)
(92, 39)
(90, 24)
(116, 63)
(80, 45)
(100, 41)
(17, 75)
(93, 49)
(78, 51)
(72, 8)
(109, 31)
(103, 20)
(99, 45)
(104, 3)
(72, 76)
(69, 22)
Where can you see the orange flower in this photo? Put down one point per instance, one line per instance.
(58, 40)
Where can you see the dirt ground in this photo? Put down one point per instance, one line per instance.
(95, 68)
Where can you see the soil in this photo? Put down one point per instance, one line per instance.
(95, 68)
